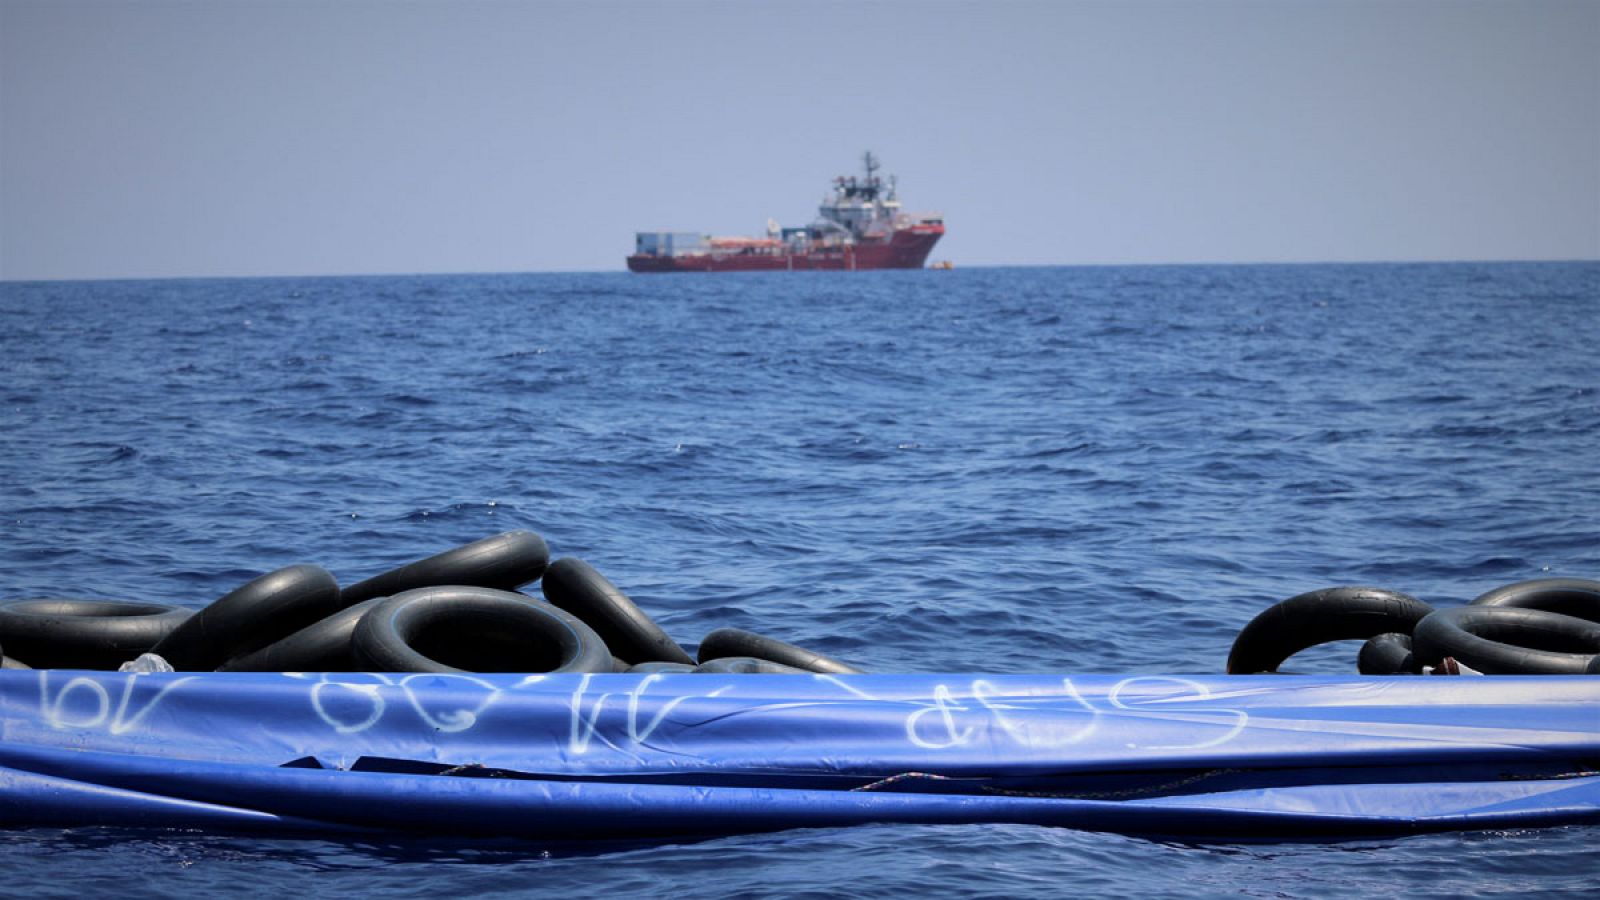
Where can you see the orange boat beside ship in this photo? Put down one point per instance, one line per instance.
(860, 226)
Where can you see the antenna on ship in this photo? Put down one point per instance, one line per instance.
(870, 184)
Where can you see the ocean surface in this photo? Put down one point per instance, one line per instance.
(1094, 470)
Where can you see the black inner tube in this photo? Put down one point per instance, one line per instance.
(1387, 654)
(575, 586)
(745, 665)
(71, 633)
(663, 668)
(506, 560)
(473, 629)
(1578, 597)
(734, 642)
(1502, 640)
(322, 646)
(250, 617)
(1318, 617)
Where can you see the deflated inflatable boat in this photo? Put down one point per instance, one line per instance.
(674, 755)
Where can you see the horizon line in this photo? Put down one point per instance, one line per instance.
(624, 271)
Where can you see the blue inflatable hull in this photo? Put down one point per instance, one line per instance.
(632, 756)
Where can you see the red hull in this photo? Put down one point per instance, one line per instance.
(908, 249)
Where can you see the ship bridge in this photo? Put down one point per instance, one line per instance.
(864, 207)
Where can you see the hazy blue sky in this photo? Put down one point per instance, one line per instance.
(260, 138)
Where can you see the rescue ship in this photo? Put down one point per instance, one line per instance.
(860, 226)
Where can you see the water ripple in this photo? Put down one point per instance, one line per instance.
(1089, 470)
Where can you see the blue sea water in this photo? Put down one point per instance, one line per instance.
(1104, 470)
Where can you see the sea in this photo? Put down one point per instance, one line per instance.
(1001, 470)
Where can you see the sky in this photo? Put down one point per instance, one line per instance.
(274, 137)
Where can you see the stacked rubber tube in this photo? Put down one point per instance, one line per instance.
(461, 611)
(458, 611)
(1547, 626)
